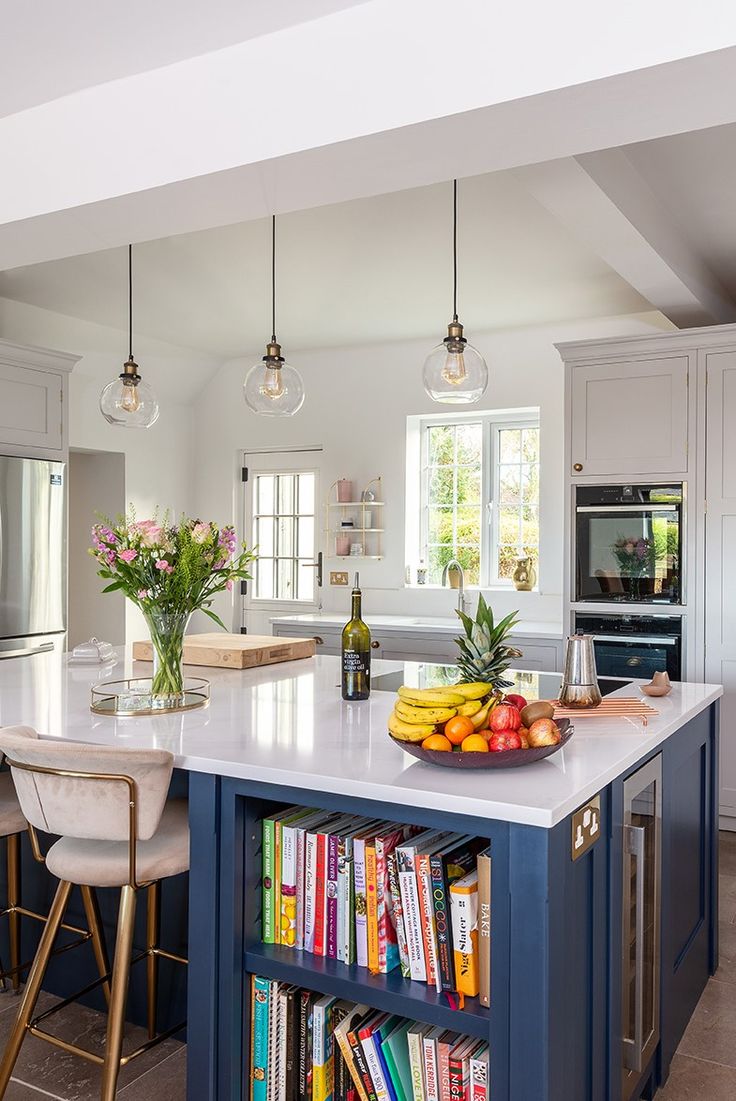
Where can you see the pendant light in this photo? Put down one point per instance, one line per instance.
(128, 401)
(455, 372)
(272, 388)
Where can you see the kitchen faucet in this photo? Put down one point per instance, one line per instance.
(453, 564)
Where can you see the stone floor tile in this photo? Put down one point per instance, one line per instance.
(727, 898)
(698, 1080)
(66, 1075)
(19, 1091)
(166, 1082)
(711, 1034)
(727, 853)
(727, 954)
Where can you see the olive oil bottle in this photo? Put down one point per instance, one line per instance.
(356, 652)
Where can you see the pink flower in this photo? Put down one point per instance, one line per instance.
(201, 533)
(162, 564)
(143, 594)
(229, 586)
(149, 531)
(127, 555)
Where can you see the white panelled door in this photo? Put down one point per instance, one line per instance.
(282, 519)
(720, 541)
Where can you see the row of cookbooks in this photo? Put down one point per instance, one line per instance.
(380, 895)
(309, 1047)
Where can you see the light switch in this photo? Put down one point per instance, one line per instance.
(338, 577)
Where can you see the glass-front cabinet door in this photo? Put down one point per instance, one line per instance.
(640, 948)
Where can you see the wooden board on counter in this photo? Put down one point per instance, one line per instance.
(235, 651)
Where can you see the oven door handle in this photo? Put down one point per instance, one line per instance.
(655, 640)
(628, 508)
(634, 1046)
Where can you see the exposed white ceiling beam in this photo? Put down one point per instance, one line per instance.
(351, 105)
(603, 199)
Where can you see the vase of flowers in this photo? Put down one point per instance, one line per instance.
(636, 558)
(169, 571)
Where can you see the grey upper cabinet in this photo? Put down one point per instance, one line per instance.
(33, 405)
(629, 417)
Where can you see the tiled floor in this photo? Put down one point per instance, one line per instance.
(704, 1068)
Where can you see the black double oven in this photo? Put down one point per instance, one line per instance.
(628, 555)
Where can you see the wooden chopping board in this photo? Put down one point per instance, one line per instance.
(235, 651)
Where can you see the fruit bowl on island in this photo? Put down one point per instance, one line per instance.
(471, 724)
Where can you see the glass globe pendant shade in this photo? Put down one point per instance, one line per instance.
(128, 401)
(272, 388)
(455, 372)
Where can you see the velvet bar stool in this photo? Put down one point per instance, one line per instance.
(12, 827)
(116, 829)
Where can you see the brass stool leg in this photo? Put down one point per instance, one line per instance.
(118, 993)
(13, 852)
(33, 984)
(94, 924)
(153, 924)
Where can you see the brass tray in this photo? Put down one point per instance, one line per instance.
(130, 697)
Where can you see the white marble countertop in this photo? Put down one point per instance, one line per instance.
(287, 724)
(401, 624)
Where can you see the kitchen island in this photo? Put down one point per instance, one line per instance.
(281, 735)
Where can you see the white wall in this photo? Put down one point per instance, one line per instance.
(158, 461)
(358, 399)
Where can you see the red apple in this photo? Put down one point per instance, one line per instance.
(503, 740)
(515, 700)
(505, 717)
(543, 732)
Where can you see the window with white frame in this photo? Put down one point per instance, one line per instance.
(478, 494)
(283, 525)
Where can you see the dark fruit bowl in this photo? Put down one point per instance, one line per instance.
(506, 758)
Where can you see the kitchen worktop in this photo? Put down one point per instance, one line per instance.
(287, 725)
(449, 625)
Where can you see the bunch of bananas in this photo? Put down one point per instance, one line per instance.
(418, 712)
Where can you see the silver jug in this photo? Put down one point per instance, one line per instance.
(580, 679)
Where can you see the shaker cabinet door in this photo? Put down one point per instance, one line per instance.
(630, 417)
(30, 408)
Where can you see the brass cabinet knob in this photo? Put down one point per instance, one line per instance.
(577, 467)
(375, 644)
(319, 641)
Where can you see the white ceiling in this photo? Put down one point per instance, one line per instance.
(364, 271)
(49, 49)
(694, 177)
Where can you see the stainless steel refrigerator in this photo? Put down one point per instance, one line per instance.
(33, 555)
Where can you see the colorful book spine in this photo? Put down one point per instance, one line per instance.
(371, 906)
(322, 1061)
(310, 895)
(412, 915)
(479, 1075)
(305, 1045)
(345, 910)
(484, 927)
(431, 1075)
(464, 895)
(281, 1041)
(300, 868)
(287, 923)
(260, 998)
(388, 949)
(361, 902)
(361, 1065)
(320, 896)
(267, 882)
(331, 897)
(445, 977)
(272, 1079)
(342, 1037)
(378, 1039)
(445, 1045)
(426, 911)
(368, 1043)
(397, 913)
(414, 1039)
(456, 1077)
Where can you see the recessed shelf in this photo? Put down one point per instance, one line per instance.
(355, 504)
(390, 993)
(378, 557)
(347, 531)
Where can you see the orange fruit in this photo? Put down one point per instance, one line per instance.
(474, 743)
(437, 741)
(458, 729)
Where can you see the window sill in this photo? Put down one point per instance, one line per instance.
(470, 589)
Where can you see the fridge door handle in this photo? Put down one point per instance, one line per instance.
(27, 651)
(634, 1045)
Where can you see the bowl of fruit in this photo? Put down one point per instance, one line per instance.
(468, 725)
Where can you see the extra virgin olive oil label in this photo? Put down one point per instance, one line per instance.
(356, 661)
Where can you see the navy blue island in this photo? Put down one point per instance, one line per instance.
(603, 883)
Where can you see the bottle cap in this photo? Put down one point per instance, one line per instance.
(357, 580)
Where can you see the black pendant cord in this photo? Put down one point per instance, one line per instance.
(130, 302)
(454, 250)
(273, 278)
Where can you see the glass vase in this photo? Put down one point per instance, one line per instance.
(167, 630)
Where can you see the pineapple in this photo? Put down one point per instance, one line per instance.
(484, 653)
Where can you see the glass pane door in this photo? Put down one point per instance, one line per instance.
(629, 554)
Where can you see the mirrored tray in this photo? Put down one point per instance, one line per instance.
(134, 697)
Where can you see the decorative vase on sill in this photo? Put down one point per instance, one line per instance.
(168, 571)
(524, 575)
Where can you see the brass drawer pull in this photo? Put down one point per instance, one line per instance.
(319, 641)
(375, 644)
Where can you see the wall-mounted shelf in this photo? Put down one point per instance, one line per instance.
(363, 530)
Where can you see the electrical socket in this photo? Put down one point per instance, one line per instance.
(338, 577)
